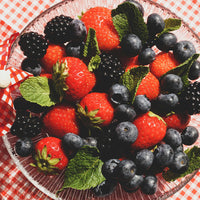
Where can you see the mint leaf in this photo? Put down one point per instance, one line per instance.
(132, 79)
(172, 24)
(91, 47)
(39, 90)
(120, 22)
(194, 164)
(94, 63)
(135, 21)
(84, 170)
(183, 69)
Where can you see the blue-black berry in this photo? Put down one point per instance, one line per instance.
(171, 83)
(24, 147)
(118, 94)
(141, 104)
(194, 72)
(189, 135)
(126, 133)
(74, 49)
(149, 184)
(131, 45)
(146, 56)
(183, 50)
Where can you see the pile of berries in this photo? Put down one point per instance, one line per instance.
(139, 125)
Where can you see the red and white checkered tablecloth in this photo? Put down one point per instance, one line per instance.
(14, 16)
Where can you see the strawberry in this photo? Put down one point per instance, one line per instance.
(72, 78)
(99, 18)
(50, 156)
(151, 130)
(149, 86)
(53, 54)
(97, 108)
(163, 63)
(177, 121)
(61, 119)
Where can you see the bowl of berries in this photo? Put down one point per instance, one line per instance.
(110, 106)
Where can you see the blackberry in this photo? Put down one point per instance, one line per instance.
(33, 45)
(57, 30)
(190, 98)
(109, 71)
(26, 126)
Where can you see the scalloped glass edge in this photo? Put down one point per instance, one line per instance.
(183, 181)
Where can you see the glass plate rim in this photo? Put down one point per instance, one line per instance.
(5, 139)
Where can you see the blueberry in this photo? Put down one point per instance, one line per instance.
(137, 5)
(178, 149)
(194, 72)
(167, 102)
(133, 184)
(105, 188)
(78, 30)
(144, 159)
(71, 141)
(166, 42)
(149, 184)
(171, 83)
(90, 141)
(146, 56)
(124, 112)
(155, 24)
(173, 138)
(131, 45)
(180, 163)
(32, 66)
(141, 104)
(118, 94)
(163, 155)
(183, 50)
(24, 147)
(125, 170)
(108, 168)
(189, 135)
(74, 49)
(126, 132)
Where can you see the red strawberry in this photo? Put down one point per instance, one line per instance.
(73, 76)
(163, 63)
(97, 107)
(149, 85)
(50, 156)
(53, 54)
(151, 130)
(99, 18)
(61, 119)
(177, 121)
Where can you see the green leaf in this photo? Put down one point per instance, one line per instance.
(39, 90)
(84, 170)
(135, 22)
(194, 164)
(171, 24)
(132, 79)
(121, 24)
(94, 63)
(91, 47)
(183, 69)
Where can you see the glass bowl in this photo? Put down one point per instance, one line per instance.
(50, 184)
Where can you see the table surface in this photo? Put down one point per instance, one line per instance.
(14, 16)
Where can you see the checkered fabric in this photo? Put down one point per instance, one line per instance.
(14, 16)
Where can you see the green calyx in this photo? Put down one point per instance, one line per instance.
(45, 163)
(151, 114)
(60, 73)
(87, 118)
